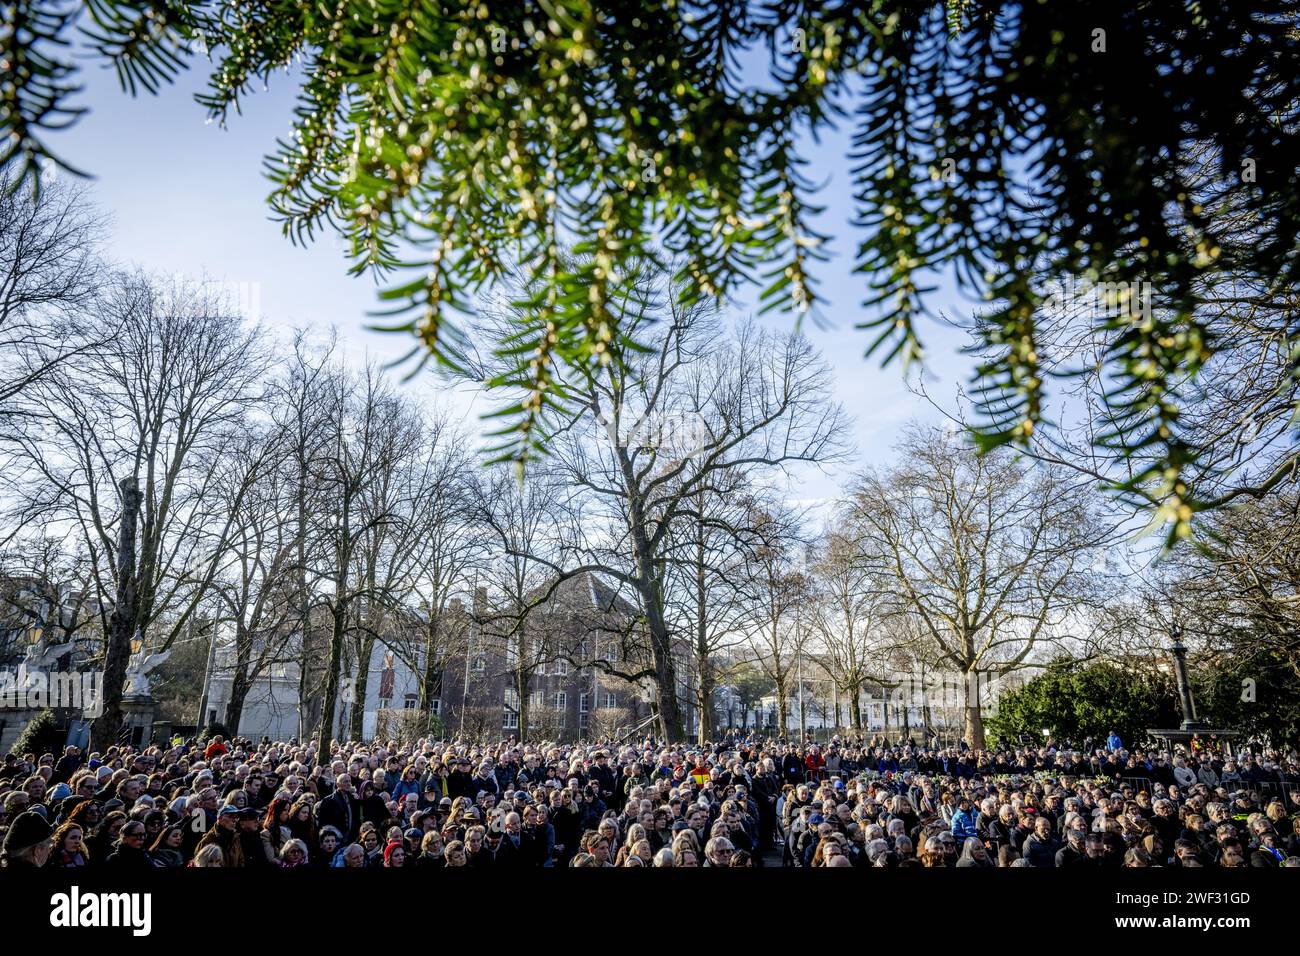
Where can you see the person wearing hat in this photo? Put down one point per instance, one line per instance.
(251, 846)
(225, 835)
(431, 793)
(459, 780)
(605, 776)
(27, 842)
(394, 855)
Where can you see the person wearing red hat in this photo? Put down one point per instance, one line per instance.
(395, 855)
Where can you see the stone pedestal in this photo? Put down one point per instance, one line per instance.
(137, 719)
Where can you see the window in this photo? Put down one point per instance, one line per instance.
(561, 668)
(511, 716)
(582, 723)
(412, 700)
(582, 703)
(561, 700)
(541, 669)
(480, 664)
(435, 706)
(537, 699)
(610, 701)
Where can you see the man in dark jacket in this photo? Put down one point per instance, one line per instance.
(460, 780)
(67, 765)
(792, 767)
(1075, 848)
(483, 781)
(1041, 847)
(603, 774)
(767, 788)
(504, 845)
(341, 809)
(27, 843)
(505, 772)
(250, 839)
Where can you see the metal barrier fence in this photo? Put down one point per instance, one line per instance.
(1267, 790)
(1285, 792)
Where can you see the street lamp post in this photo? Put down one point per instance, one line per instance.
(1184, 685)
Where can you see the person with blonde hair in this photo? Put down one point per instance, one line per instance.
(208, 857)
(293, 853)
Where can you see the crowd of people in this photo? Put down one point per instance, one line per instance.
(746, 801)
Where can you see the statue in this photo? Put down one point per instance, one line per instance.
(41, 656)
(138, 667)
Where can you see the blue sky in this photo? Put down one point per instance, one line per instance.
(187, 196)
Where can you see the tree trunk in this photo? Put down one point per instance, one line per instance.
(325, 733)
(782, 700)
(239, 682)
(704, 679)
(704, 691)
(661, 648)
(121, 625)
(430, 660)
(973, 723)
(356, 725)
(521, 689)
(239, 688)
(666, 678)
(305, 703)
(665, 671)
(855, 710)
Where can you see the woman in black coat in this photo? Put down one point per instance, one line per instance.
(130, 852)
(373, 808)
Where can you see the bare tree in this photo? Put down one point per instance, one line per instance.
(448, 543)
(704, 596)
(848, 613)
(653, 433)
(1237, 592)
(777, 595)
(994, 558)
(253, 593)
(393, 500)
(299, 403)
(119, 443)
(360, 447)
(49, 267)
(523, 523)
(1232, 418)
(45, 594)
